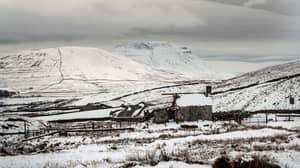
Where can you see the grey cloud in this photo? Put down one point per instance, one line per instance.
(223, 28)
(92, 20)
(284, 7)
(250, 57)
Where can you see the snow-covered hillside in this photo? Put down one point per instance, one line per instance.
(171, 58)
(77, 76)
(262, 75)
(90, 75)
(37, 70)
(266, 89)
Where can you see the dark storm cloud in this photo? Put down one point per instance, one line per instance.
(36, 21)
(30, 26)
(90, 19)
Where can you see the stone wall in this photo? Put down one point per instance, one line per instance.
(160, 116)
(194, 113)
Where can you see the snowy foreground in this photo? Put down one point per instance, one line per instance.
(164, 145)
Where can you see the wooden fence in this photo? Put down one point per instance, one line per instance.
(264, 118)
(64, 129)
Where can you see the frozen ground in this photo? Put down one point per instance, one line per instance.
(162, 145)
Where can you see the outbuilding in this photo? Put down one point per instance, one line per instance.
(193, 107)
(186, 107)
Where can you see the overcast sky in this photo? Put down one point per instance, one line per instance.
(238, 30)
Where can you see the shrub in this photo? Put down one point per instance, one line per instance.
(256, 162)
(146, 157)
(222, 162)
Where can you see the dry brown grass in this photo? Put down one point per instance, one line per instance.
(145, 157)
(158, 154)
(201, 151)
(144, 140)
(256, 162)
(242, 140)
(73, 163)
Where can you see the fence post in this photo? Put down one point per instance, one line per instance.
(25, 130)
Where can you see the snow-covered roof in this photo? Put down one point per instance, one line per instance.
(7, 89)
(193, 100)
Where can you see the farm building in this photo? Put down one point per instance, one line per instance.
(186, 107)
(4, 92)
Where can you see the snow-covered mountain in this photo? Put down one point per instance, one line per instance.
(267, 89)
(168, 57)
(36, 70)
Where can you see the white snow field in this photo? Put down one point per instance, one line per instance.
(39, 70)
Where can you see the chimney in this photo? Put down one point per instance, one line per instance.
(292, 100)
(208, 91)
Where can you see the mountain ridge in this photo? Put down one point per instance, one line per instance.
(166, 56)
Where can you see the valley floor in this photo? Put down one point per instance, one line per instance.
(164, 145)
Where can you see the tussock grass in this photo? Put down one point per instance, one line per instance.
(256, 162)
(154, 156)
(280, 138)
(151, 157)
(74, 163)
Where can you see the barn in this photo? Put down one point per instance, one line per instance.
(186, 107)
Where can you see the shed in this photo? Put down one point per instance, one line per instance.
(6, 92)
